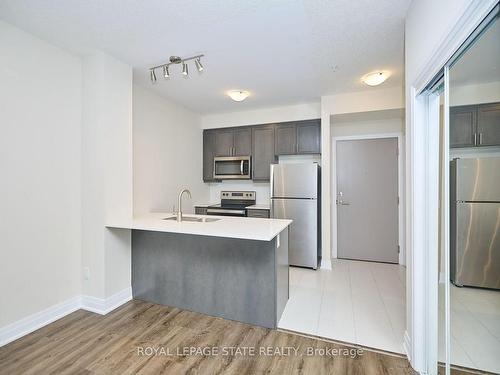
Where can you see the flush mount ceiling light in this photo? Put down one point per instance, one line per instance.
(238, 95)
(175, 60)
(374, 79)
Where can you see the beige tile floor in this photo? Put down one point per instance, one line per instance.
(356, 302)
(475, 328)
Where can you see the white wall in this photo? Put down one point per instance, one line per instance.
(475, 93)
(167, 154)
(40, 212)
(106, 173)
(304, 111)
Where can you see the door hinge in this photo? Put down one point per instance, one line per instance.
(399, 250)
(398, 200)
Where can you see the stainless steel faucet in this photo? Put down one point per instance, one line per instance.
(179, 212)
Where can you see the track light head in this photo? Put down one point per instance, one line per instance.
(152, 75)
(198, 64)
(185, 69)
(166, 73)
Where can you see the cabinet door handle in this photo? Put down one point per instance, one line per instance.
(480, 139)
(475, 139)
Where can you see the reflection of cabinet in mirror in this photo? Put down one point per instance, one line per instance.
(475, 125)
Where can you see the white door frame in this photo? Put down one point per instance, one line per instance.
(333, 165)
(422, 193)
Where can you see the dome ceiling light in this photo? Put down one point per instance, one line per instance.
(238, 95)
(374, 79)
(176, 60)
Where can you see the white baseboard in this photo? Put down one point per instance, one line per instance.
(40, 319)
(105, 305)
(407, 346)
(37, 320)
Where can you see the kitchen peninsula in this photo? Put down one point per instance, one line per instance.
(234, 268)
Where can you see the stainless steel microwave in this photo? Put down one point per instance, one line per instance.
(232, 168)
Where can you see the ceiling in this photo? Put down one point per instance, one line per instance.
(282, 51)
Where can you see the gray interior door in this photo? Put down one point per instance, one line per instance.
(367, 199)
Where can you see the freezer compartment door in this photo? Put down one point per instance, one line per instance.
(477, 179)
(476, 247)
(303, 233)
(294, 180)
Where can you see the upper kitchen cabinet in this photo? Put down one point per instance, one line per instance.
(242, 142)
(488, 124)
(286, 139)
(224, 142)
(208, 155)
(309, 137)
(475, 125)
(263, 154)
(300, 137)
(463, 126)
(233, 142)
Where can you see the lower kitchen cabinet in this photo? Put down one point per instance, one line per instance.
(258, 213)
(263, 154)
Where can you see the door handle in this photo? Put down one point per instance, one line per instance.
(340, 202)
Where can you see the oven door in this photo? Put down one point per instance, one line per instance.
(226, 212)
(232, 168)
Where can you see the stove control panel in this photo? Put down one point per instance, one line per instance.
(238, 195)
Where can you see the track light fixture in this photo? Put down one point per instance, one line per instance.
(198, 64)
(177, 60)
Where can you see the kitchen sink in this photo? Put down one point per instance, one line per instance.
(194, 219)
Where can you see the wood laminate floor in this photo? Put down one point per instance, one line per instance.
(125, 341)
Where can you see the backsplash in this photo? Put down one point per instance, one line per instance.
(261, 189)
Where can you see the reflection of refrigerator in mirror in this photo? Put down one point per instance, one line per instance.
(475, 222)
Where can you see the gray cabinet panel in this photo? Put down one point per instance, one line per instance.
(309, 137)
(262, 152)
(208, 155)
(258, 213)
(488, 124)
(286, 139)
(242, 145)
(223, 142)
(200, 210)
(463, 126)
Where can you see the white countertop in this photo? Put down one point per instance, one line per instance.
(247, 228)
(260, 207)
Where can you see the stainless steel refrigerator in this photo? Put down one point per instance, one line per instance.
(295, 195)
(475, 222)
